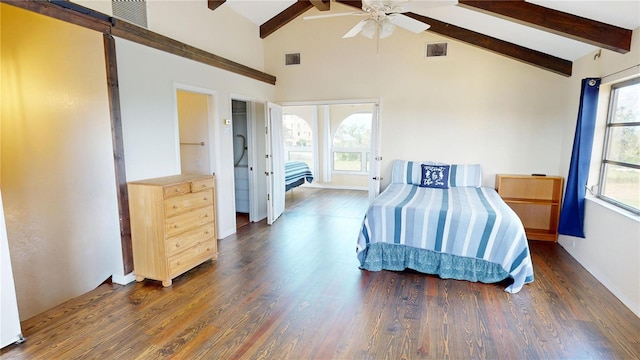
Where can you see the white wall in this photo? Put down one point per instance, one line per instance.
(147, 78)
(610, 250)
(472, 106)
(58, 179)
(201, 27)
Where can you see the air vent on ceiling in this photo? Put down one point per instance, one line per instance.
(438, 49)
(133, 11)
(292, 59)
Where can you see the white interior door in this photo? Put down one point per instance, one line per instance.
(375, 156)
(275, 163)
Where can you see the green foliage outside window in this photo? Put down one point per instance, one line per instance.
(620, 174)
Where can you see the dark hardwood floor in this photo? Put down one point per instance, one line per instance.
(293, 290)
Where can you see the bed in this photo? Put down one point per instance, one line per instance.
(295, 174)
(438, 219)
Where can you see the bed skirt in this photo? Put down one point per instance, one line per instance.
(385, 256)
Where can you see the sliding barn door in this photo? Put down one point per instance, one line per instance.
(275, 163)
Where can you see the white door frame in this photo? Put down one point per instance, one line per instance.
(212, 99)
(251, 153)
(375, 151)
(375, 157)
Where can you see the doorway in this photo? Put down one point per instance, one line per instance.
(241, 138)
(193, 125)
(344, 149)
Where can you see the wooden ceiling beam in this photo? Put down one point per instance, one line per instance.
(297, 9)
(126, 30)
(322, 5)
(517, 52)
(557, 22)
(353, 3)
(85, 17)
(68, 12)
(283, 18)
(214, 4)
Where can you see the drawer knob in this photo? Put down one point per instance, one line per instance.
(206, 215)
(175, 206)
(177, 189)
(176, 226)
(177, 245)
(205, 198)
(207, 232)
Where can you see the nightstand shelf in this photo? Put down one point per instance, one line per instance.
(536, 200)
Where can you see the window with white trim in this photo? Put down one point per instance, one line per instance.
(352, 143)
(620, 169)
(298, 144)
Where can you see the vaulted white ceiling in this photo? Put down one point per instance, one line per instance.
(620, 13)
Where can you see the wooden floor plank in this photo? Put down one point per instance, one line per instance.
(293, 290)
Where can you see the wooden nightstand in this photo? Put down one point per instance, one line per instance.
(536, 200)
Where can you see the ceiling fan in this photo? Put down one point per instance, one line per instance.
(381, 17)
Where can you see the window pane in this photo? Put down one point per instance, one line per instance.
(627, 104)
(305, 156)
(347, 161)
(354, 131)
(297, 132)
(622, 184)
(624, 144)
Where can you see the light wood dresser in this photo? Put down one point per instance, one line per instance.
(536, 200)
(173, 225)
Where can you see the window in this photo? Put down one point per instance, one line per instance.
(620, 171)
(351, 143)
(297, 139)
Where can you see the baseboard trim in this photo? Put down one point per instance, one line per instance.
(123, 280)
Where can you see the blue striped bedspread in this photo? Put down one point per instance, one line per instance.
(467, 222)
(295, 173)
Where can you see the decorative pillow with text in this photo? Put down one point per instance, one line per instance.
(435, 176)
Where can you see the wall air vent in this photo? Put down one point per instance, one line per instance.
(133, 11)
(438, 49)
(292, 59)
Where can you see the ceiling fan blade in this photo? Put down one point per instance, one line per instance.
(355, 30)
(408, 23)
(331, 15)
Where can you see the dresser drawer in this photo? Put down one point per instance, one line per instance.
(192, 257)
(177, 205)
(176, 190)
(201, 185)
(181, 242)
(187, 221)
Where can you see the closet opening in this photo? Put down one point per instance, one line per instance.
(240, 120)
(193, 125)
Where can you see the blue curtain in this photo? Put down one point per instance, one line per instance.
(572, 214)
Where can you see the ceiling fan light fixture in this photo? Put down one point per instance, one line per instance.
(369, 28)
(386, 28)
(383, 16)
